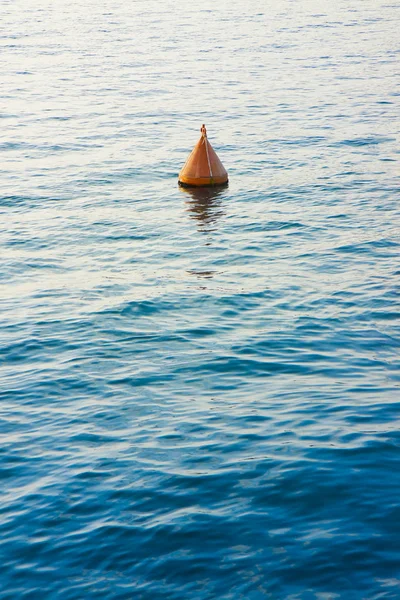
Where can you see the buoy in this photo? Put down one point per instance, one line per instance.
(203, 167)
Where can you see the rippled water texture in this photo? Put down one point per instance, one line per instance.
(199, 390)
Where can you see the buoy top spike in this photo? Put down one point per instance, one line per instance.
(203, 130)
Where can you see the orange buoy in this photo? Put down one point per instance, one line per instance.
(203, 167)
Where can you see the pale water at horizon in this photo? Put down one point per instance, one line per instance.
(200, 390)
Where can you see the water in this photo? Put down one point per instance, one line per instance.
(199, 390)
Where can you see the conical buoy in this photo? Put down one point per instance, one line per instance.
(203, 167)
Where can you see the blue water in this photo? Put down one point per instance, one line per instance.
(200, 391)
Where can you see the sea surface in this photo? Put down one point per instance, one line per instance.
(199, 390)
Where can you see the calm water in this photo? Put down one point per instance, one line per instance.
(200, 391)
